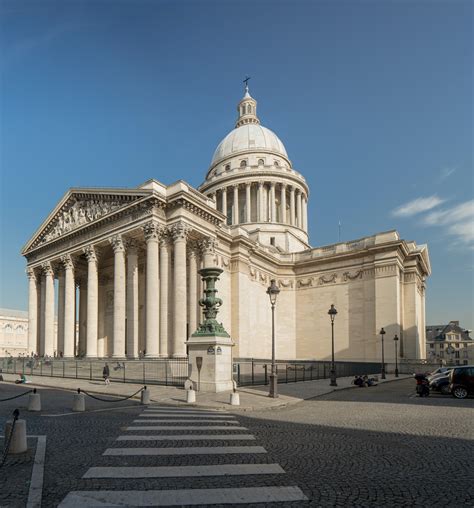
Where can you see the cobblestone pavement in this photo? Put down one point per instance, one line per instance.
(369, 447)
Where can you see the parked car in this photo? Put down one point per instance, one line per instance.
(438, 372)
(440, 383)
(461, 381)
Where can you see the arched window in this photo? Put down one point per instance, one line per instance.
(8, 328)
(243, 164)
(249, 108)
(227, 167)
(243, 110)
(261, 162)
(277, 164)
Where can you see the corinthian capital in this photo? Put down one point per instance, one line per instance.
(131, 245)
(91, 253)
(180, 231)
(47, 269)
(68, 262)
(31, 273)
(208, 245)
(117, 243)
(152, 231)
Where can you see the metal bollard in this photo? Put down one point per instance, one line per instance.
(145, 396)
(235, 399)
(18, 442)
(190, 396)
(34, 401)
(79, 401)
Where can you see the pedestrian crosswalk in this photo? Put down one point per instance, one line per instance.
(243, 462)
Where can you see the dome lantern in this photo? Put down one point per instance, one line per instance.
(247, 109)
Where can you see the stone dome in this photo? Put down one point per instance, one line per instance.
(250, 137)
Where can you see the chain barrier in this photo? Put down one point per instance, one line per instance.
(6, 449)
(18, 396)
(110, 400)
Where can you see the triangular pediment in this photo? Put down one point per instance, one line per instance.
(78, 208)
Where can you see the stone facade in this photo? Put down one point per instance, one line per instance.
(126, 262)
(449, 344)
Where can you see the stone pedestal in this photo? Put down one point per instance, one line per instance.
(18, 442)
(216, 368)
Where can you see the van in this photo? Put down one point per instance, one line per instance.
(461, 382)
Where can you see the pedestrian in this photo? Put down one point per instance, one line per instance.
(106, 374)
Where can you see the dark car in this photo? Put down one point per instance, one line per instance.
(440, 383)
(462, 381)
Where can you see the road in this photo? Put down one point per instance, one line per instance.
(373, 447)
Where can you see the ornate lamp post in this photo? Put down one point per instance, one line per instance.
(382, 333)
(332, 314)
(273, 292)
(395, 340)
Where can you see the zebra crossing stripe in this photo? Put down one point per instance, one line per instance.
(184, 427)
(231, 422)
(196, 450)
(183, 471)
(182, 497)
(194, 437)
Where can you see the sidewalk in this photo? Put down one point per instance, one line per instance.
(251, 398)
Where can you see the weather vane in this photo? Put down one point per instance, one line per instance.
(246, 81)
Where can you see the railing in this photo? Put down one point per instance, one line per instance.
(160, 371)
(257, 372)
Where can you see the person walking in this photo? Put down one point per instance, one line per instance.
(106, 374)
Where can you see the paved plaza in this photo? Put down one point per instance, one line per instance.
(378, 446)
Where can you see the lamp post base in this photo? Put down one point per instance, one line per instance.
(396, 372)
(273, 386)
(383, 374)
(333, 378)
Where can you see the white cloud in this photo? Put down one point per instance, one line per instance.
(445, 173)
(417, 206)
(459, 220)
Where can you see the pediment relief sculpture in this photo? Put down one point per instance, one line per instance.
(81, 212)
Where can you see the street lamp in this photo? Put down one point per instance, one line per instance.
(332, 313)
(273, 292)
(382, 333)
(395, 340)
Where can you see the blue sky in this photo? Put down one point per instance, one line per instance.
(372, 99)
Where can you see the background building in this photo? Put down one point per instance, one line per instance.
(449, 344)
(126, 263)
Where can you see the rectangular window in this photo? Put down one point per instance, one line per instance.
(441, 346)
(457, 345)
(441, 354)
(431, 346)
(272, 241)
(456, 354)
(464, 362)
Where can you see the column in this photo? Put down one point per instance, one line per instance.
(224, 202)
(32, 311)
(265, 203)
(260, 202)
(248, 201)
(292, 206)
(164, 304)
(305, 214)
(69, 307)
(132, 299)
(92, 301)
(180, 232)
(193, 260)
(272, 202)
(283, 203)
(235, 218)
(41, 313)
(81, 347)
(49, 310)
(60, 333)
(298, 210)
(152, 303)
(119, 297)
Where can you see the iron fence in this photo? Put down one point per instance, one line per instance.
(257, 372)
(160, 371)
